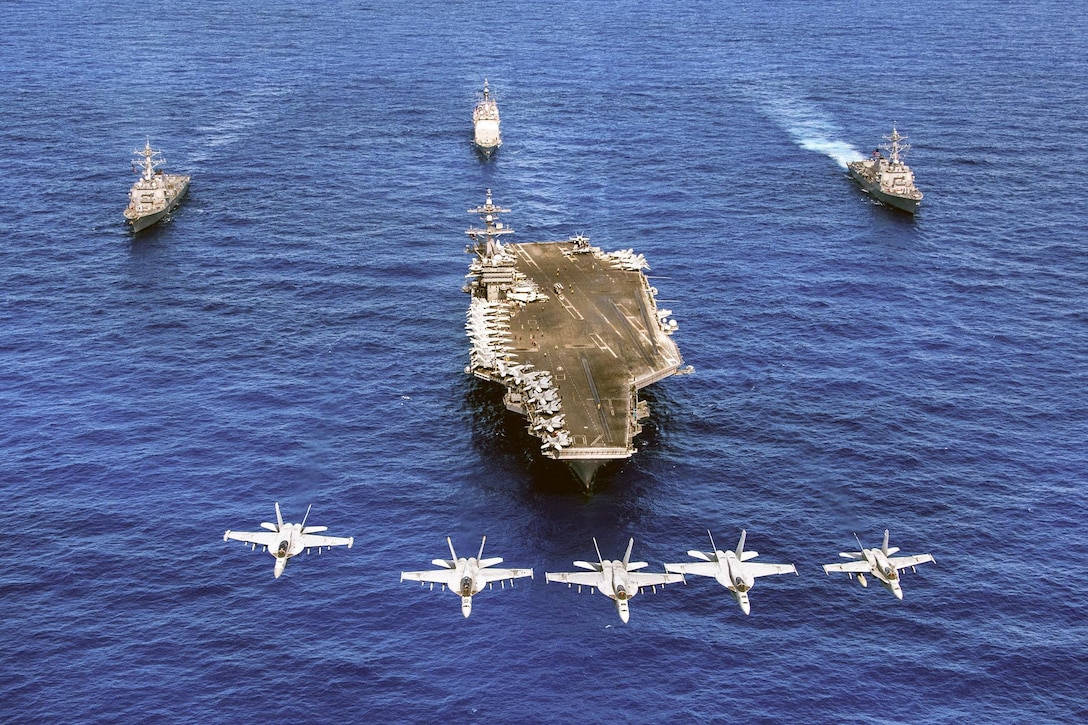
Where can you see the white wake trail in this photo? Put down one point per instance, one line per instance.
(810, 130)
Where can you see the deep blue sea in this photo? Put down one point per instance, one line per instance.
(294, 333)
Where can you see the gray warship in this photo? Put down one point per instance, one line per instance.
(888, 179)
(485, 124)
(155, 194)
(573, 333)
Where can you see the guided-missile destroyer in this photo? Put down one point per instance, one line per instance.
(888, 179)
(573, 333)
(155, 194)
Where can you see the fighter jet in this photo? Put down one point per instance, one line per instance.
(617, 580)
(466, 577)
(734, 570)
(286, 540)
(878, 562)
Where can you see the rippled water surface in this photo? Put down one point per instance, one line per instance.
(294, 333)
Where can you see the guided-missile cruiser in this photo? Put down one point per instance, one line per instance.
(485, 124)
(573, 333)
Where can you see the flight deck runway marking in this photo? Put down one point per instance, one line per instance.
(619, 332)
(525, 255)
(636, 335)
(570, 308)
(601, 345)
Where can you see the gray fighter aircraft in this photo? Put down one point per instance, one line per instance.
(617, 580)
(466, 577)
(734, 570)
(286, 540)
(879, 563)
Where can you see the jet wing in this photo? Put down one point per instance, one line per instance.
(701, 568)
(651, 579)
(761, 569)
(902, 562)
(260, 538)
(315, 540)
(850, 567)
(581, 578)
(449, 577)
(494, 575)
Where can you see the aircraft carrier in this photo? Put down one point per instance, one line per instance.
(573, 333)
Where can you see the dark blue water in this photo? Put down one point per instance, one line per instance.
(295, 333)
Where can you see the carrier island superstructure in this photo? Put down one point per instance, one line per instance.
(573, 333)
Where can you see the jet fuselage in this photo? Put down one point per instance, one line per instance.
(732, 576)
(615, 586)
(883, 570)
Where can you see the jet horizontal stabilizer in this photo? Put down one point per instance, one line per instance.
(700, 555)
(270, 527)
(314, 529)
(637, 565)
(484, 563)
(444, 564)
(588, 565)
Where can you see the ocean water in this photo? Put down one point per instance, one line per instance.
(294, 333)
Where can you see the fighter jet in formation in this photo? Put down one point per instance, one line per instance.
(734, 570)
(466, 577)
(879, 563)
(618, 580)
(286, 540)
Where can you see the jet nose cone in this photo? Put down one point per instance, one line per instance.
(898, 593)
(746, 607)
(624, 610)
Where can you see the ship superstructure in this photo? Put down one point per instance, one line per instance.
(155, 194)
(485, 124)
(573, 333)
(888, 179)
